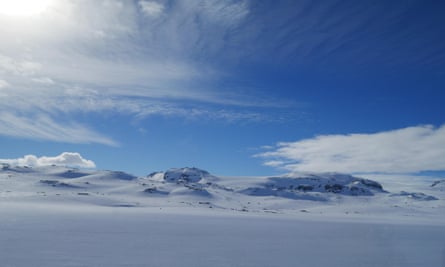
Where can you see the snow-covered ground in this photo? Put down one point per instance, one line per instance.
(57, 216)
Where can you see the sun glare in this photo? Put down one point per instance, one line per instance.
(23, 8)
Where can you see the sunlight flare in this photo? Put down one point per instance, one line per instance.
(23, 8)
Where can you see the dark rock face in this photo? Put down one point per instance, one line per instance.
(370, 183)
(154, 190)
(415, 196)
(294, 186)
(72, 174)
(194, 180)
(305, 188)
(334, 188)
(439, 183)
(182, 175)
(55, 183)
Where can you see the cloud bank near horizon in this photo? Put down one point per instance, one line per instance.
(407, 150)
(68, 159)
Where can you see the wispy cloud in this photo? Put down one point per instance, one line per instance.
(342, 34)
(407, 150)
(3, 84)
(42, 127)
(224, 12)
(17, 67)
(77, 60)
(151, 8)
(71, 159)
(44, 80)
(174, 54)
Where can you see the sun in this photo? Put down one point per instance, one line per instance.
(23, 8)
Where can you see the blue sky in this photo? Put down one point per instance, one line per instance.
(233, 87)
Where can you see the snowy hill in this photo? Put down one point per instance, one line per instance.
(182, 175)
(294, 185)
(67, 217)
(193, 187)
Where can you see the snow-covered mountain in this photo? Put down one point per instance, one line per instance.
(294, 185)
(194, 187)
(58, 216)
(182, 176)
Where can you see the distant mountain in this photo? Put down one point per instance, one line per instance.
(182, 176)
(198, 188)
(321, 183)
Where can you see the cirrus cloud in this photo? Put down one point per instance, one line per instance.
(407, 150)
(150, 8)
(3, 84)
(132, 58)
(71, 159)
(42, 127)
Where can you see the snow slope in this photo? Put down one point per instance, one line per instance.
(81, 236)
(57, 216)
(324, 193)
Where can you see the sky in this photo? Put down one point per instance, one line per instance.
(235, 87)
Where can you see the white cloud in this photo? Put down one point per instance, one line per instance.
(225, 12)
(44, 80)
(4, 84)
(71, 159)
(42, 127)
(407, 150)
(109, 56)
(151, 9)
(102, 44)
(13, 66)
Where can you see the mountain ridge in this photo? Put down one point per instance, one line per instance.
(194, 187)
